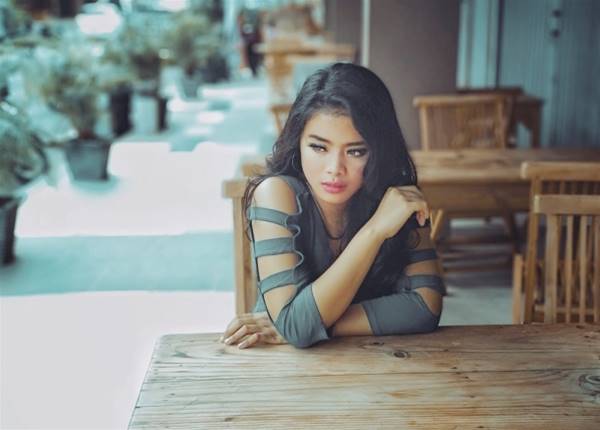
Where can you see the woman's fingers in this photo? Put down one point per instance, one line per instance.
(244, 330)
(250, 329)
(233, 326)
(250, 341)
(421, 210)
(240, 320)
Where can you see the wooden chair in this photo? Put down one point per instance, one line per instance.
(529, 271)
(464, 121)
(280, 113)
(570, 275)
(513, 94)
(245, 279)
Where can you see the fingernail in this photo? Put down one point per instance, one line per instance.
(228, 340)
(242, 345)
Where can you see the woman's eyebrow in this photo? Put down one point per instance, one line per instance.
(322, 139)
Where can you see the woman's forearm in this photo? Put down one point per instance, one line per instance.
(334, 290)
(353, 322)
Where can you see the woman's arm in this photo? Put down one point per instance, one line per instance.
(400, 313)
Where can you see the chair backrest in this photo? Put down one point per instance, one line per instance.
(557, 178)
(511, 91)
(571, 287)
(245, 278)
(280, 113)
(464, 121)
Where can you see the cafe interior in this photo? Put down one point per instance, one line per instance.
(129, 130)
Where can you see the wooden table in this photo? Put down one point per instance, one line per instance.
(512, 377)
(280, 57)
(528, 111)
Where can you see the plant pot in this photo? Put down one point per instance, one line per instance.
(190, 84)
(88, 158)
(216, 69)
(8, 217)
(120, 108)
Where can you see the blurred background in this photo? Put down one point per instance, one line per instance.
(120, 120)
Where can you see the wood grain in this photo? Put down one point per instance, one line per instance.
(529, 376)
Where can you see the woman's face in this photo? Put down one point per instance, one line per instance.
(333, 156)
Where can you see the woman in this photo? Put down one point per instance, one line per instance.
(338, 226)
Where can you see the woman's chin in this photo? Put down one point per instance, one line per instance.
(334, 198)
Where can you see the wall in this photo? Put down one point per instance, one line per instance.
(552, 49)
(478, 43)
(413, 48)
(343, 21)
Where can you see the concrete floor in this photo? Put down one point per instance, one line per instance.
(104, 269)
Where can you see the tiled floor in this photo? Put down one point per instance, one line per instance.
(104, 269)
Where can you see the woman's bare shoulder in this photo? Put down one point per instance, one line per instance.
(275, 192)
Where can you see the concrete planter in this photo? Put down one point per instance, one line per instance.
(88, 158)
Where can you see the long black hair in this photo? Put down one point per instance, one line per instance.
(357, 92)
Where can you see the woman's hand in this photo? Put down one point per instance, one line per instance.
(251, 329)
(396, 207)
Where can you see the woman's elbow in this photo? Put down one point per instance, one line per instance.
(300, 342)
(297, 334)
(422, 321)
(427, 322)
(299, 322)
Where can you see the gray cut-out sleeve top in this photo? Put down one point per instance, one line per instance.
(397, 311)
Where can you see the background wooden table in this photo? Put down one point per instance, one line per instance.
(522, 376)
(485, 180)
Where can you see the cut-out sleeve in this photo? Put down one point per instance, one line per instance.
(405, 311)
(284, 283)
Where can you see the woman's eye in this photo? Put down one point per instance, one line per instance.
(359, 152)
(316, 147)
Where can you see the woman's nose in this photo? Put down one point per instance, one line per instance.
(336, 163)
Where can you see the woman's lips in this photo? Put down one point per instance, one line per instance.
(333, 188)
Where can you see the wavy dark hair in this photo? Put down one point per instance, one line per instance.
(355, 91)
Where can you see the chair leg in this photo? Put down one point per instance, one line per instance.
(517, 292)
(438, 220)
(437, 224)
(442, 272)
(511, 228)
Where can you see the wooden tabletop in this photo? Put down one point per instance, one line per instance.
(522, 376)
(489, 165)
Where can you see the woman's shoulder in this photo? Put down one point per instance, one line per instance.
(279, 192)
(281, 184)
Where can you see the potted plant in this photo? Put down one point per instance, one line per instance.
(14, 21)
(70, 86)
(195, 44)
(190, 46)
(141, 41)
(22, 161)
